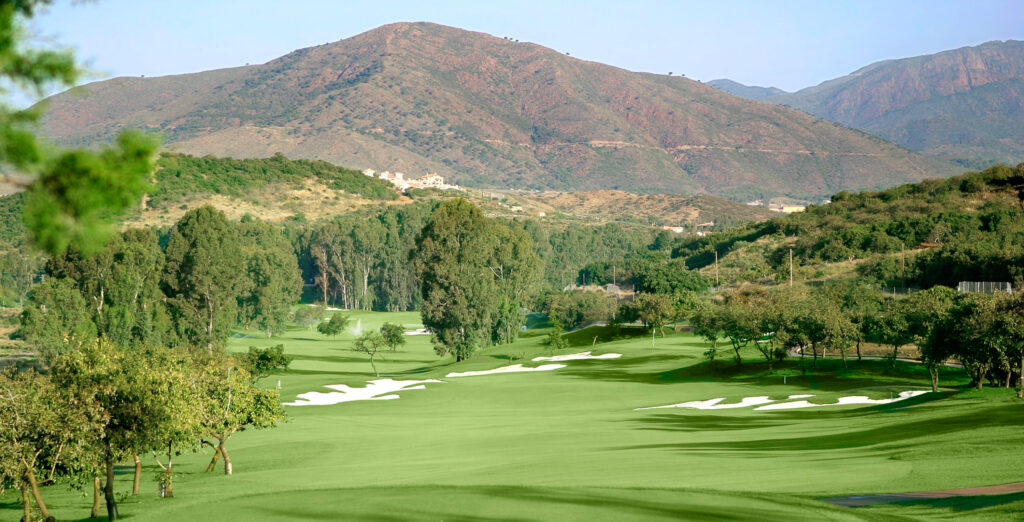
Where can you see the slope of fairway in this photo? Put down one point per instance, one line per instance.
(570, 444)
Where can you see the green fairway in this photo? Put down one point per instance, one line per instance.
(570, 443)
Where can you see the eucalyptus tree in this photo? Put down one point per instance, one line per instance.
(452, 263)
(202, 277)
(58, 320)
(516, 270)
(273, 282)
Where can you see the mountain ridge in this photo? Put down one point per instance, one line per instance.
(964, 104)
(489, 112)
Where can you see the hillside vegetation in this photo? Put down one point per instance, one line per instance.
(969, 227)
(490, 112)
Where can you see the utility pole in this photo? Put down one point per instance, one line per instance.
(716, 267)
(791, 267)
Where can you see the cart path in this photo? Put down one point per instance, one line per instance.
(867, 500)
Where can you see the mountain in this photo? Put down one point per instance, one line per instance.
(489, 112)
(751, 92)
(964, 105)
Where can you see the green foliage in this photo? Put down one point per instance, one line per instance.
(578, 308)
(307, 316)
(334, 326)
(202, 276)
(370, 342)
(451, 263)
(181, 175)
(393, 334)
(58, 321)
(273, 282)
(653, 310)
(261, 362)
(77, 194)
(555, 339)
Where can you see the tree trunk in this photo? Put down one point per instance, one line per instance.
(1020, 389)
(108, 488)
(213, 461)
(814, 352)
(138, 475)
(375, 374)
(31, 476)
(895, 354)
(169, 472)
(843, 352)
(858, 351)
(96, 487)
(933, 370)
(227, 459)
(26, 503)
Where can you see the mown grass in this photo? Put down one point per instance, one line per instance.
(570, 444)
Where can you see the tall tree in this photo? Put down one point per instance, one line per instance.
(273, 283)
(201, 277)
(452, 259)
(516, 270)
(58, 320)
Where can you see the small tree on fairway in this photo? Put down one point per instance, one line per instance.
(1012, 326)
(260, 362)
(233, 404)
(393, 334)
(707, 324)
(556, 338)
(370, 343)
(336, 325)
(653, 310)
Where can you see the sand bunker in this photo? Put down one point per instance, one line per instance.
(418, 331)
(373, 391)
(855, 399)
(770, 404)
(713, 404)
(508, 369)
(578, 357)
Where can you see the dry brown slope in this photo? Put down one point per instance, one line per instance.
(492, 113)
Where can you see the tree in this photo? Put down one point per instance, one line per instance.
(1012, 325)
(202, 276)
(261, 362)
(451, 260)
(58, 320)
(370, 343)
(336, 325)
(556, 336)
(653, 310)
(891, 327)
(233, 404)
(273, 283)
(393, 334)
(307, 316)
(46, 433)
(143, 398)
(707, 323)
(516, 270)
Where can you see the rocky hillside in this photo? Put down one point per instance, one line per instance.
(490, 112)
(965, 105)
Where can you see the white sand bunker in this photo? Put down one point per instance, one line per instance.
(713, 404)
(769, 404)
(515, 368)
(855, 399)
(373, 391)
(578, 357)
(418, 331)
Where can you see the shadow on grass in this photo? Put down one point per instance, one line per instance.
(965, 503)
(899, 435)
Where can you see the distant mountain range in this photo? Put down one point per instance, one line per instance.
(964, 105)
(490, 112)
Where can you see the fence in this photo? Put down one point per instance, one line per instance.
(988, 287)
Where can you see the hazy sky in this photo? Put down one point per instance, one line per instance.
(787, 44)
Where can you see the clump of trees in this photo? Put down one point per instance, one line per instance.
(475, 276)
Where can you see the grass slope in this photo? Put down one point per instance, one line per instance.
(569, 445)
